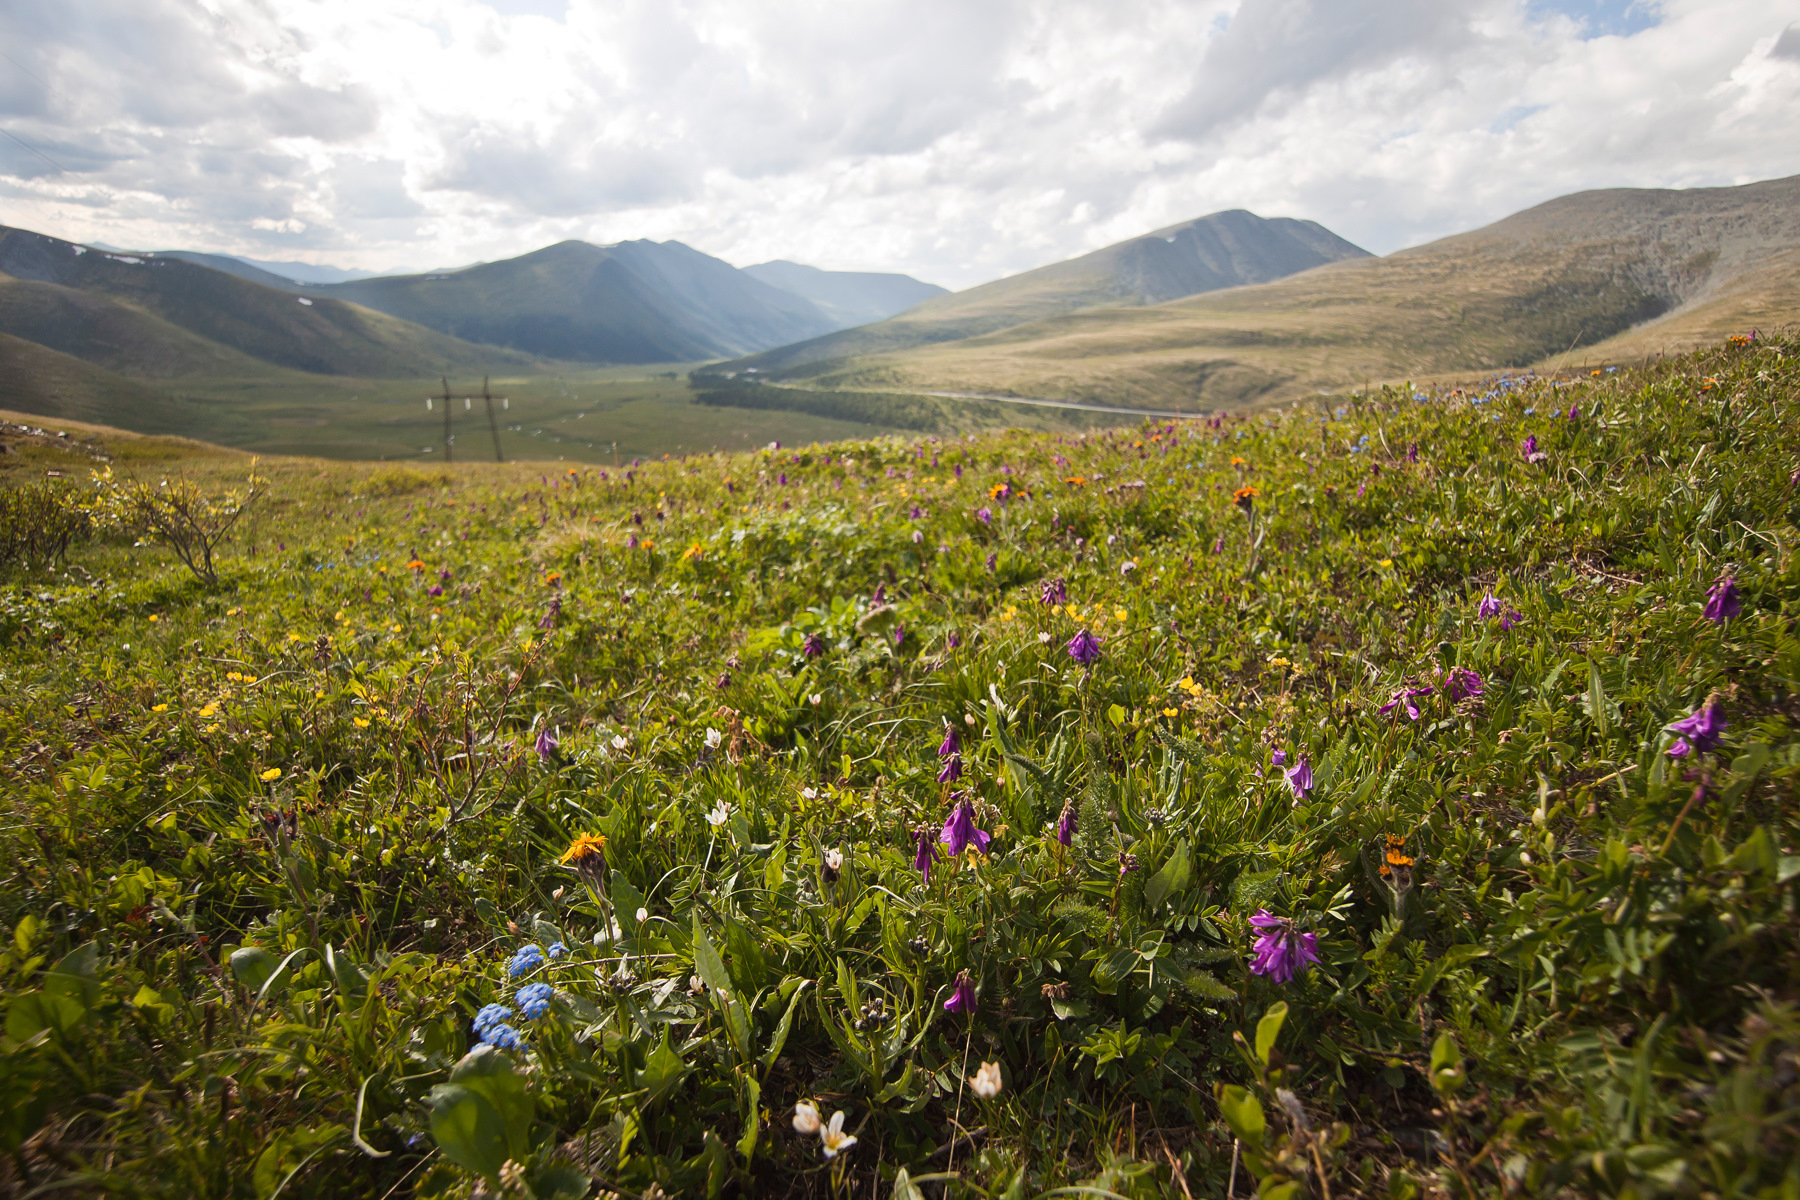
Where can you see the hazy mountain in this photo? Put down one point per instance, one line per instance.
(1592, 276)
(847, 297)
(270, 274)
(635, 302)
(1225, 249)
(141, 315)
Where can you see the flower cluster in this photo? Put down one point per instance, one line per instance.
(1281, 952)
(832, 1138)
(491, 1027)
(1406, 698)
(528, 959)
(1699, 732)
(534, 1000)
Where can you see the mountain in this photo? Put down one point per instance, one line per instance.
(634, 302)
(1225, 249)
(1592, 276)
(847, 297)
(140, 315)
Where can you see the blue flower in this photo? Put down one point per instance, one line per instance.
(534, 1000)
(557, 949)
(492, 1015)
(503, 1036)
(527, 960)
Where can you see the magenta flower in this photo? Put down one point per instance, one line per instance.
(1412, 453)
(962, 1000)
(1053, 592)
(880, 596)
(960, 830)
(985, 515)
(434, 590)
(631, 541)
(1722, 601)
(546, 744)
(1084, 648)
(1065, 824)
(1529, 449)
(1489, 608)
(551, 613)
(1462, 684)
(1405, 697)
(814, 646)
(1300, 777)
(924, 850)
(1278, 758)
(1513, 617)
(1281, 952)
(1699, 733)
(952, 744)
(899, 636)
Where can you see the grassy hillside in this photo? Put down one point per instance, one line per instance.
(1376, 798)
(1222, 250)
(118, 310)
(1564, 277)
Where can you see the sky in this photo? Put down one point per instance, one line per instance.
(954, 140)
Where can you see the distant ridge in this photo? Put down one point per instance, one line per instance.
(1224, 249)
(847, 297)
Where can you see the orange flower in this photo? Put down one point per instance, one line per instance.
(1244, 497)
(587, 853)
(415, 565)
(1395, 857)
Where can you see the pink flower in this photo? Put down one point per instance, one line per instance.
(1281, 952)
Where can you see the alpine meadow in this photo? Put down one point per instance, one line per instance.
(1384, 794)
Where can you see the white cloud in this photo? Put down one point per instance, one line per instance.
(954, 141)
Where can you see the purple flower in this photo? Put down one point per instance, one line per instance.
(1412, 452)
(631, 541)
(551, 613)
(992, 559)
(1219, 546)
(1065, 824)
(1529, 449)
(1404, 697)
(1053, 592)
(960, 830)
(546, 743)
(952, 639)
(951, 771)
(924, 850)
(1513, 617)
(1299, 777)
(899, 636)
(1281, 952)
(1699, 733)
(434, 590)
(1084, 648)
(814, 646)
(1489, 608)
(880, 596)
(1462, 684)
(962, 1000)
(1722, 601)
(1278, 758)
(985, 515)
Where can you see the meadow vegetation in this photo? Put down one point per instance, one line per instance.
(1386, 795)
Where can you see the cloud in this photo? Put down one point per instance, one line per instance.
(954, 141)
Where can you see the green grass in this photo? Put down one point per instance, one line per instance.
(271, 847)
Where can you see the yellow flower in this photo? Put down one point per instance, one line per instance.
(270, 775)
(293, 637)
(586, 852)
(1121, 614)
(1171, 712)
(209, 710)
(154, 618)
(232, 612)
(1278, 661)
(159, 708)
(1386, 562)
(360, 723)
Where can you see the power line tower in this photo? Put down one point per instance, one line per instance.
(488, 398)
(448, 440)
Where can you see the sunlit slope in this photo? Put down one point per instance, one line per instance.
(1222, 250)
(1555, 280)
(49, 384)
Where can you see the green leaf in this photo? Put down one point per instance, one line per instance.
(711, 969)
(1174, 877)
(468, 1128)
(1446, 1065)
(746, 1145)
(782, 1030)
(1116, 714)
(663, 1072)
(489, 1073)
(1243, 1113)
(252, 965)
(1268, 1029)
(74, 977)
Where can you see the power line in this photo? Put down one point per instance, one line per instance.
(15, 137)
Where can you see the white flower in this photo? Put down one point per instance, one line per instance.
(834, 1137)
(834, 859)
(619, 742)
(986, 1080)
(714, 739)
(810, 793)
(695, 987)
(1045, 637)
(918, 536)
(817, 699)
(1127, 568)
(643, 914)
(806, 1118)
(720, 814)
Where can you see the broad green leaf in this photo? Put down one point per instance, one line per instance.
(468, 1128)
(1172, 879)
(1268, 1029)
(252, 965)
(663, 1072)
(1243, 1113)
(782, 1030)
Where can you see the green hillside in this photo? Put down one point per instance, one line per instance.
(1550, 281)
(1372, 797)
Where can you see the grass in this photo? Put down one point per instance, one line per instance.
(272, 848)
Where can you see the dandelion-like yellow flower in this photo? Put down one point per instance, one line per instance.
(359, 722)
(586, 852)
(209, 710)
(270, 775)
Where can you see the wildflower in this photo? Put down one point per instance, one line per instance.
(159, 708)
(1278, 759)
(1489, 608)
(1281, 952)
(924, 850)
(714, 739)
(1127, 864)
(834, 864)
(1245, 498)
(814, 646)
(1404, 697)
(492, 1015)
(551, 613)
(1412, 453)
(270, 775)
(899, 636)
(435, 590)
(960, 830)
(720, 813)
(1529, 449)
(1065, 824)
(1053, 592)
(1300, 777)
(619, 742)
(503, 1037)
(806, 1118)
(1084, 648)
(1127, 568)
(556, 949)
(534, 1000)
(587, 854)
(833, 1138)
(1512, 617)
(986, 1080)
(1462, 684)
(985, 515)
(546, 744)
(527, 960)
(1722, 601)
(1699, 732)
(962, 1000)
(1045, 637)
(916, 513)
